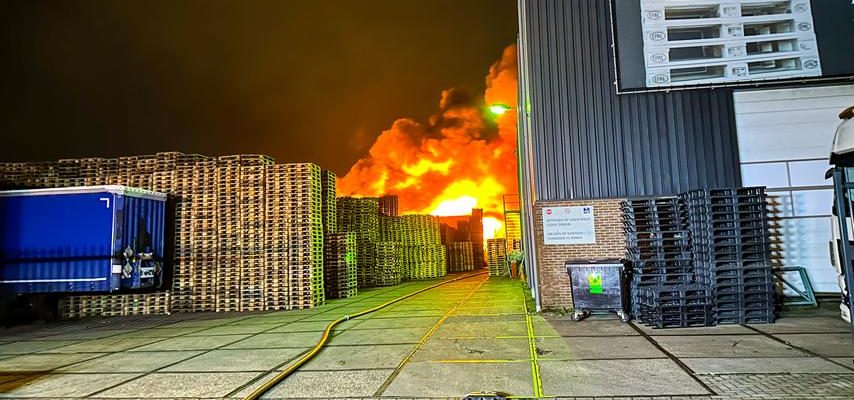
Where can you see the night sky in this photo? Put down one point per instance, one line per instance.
(299, 80)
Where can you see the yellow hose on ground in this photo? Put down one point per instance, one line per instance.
(257, 393)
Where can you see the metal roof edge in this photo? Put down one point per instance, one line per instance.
(115, 189)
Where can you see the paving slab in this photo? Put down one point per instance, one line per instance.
(806, 325)
(162, 332)
(358, 357)
(236, 329)
(454, 328)
(130, 362)
(385, 323)
(235, 361)
(707, 330)
(792, 365)
(428, 379)
(106, 345)
(752, 346)
(191, 343)
(846, 361)
(825, 344)
(407, 314)
(587, 348)
(32, 346)
(201, 323)
(61, 385)
(42, 362)
(88, 334)
(474, 349)
(385, 336)
(485, 319)
(489, 311)
(180, 385)
(325, 384)
(592, 378)
(274, 318)
(312, 326)
(583, 328)
(277, 341)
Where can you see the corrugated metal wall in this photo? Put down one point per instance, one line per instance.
(589, 142)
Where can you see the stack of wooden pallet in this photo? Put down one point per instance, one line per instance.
(460, 257)
(248, 234)
(387, 264)
(305, 261)
(329, 206)
(340, 268)
(277, 231)
(252, 203)
(476, 236)
(389, 205)
(423, 255)
(496, 254)
(194, 262)
(361, 216)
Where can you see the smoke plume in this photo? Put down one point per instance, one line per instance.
(460, 158)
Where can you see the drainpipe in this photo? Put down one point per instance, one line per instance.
(524, 159)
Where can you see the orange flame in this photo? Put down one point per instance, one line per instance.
(461, 158)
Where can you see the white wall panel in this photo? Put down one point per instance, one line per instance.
(772, 175)
(789, 124)
(793, 129)
(805, 243)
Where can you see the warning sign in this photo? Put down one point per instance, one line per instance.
(595, 281)
(569, 225)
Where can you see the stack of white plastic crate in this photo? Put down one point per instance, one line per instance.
(708, 42)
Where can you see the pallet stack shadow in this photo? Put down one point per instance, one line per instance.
(496, 255)
(659, 249)
(729, 229)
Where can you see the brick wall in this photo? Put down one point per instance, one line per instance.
(610, 243)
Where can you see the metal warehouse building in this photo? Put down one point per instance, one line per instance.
(588, 140)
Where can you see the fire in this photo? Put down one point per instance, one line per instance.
(492, 228)
(462, 157)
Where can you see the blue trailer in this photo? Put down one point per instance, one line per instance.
(81, 239)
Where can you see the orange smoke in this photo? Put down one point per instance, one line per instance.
(461, 158)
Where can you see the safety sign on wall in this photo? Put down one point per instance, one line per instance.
(569, 225)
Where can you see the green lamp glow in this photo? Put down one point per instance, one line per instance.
(499, 109)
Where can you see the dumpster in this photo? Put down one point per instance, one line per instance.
(598, 286)
(81, 239)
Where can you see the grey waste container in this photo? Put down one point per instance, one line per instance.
(598, 285)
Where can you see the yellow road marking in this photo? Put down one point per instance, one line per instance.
(532, 345)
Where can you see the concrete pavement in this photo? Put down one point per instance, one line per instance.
(469, 335)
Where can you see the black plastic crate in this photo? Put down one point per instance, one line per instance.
(745, 288)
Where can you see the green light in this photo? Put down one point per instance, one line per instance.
(499, 109)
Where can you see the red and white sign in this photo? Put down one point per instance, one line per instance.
(569, 225)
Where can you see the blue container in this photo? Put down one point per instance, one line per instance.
(81, 239)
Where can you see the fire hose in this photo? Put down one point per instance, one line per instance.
(257, 393)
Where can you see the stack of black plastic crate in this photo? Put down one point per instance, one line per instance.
(732, 250)
(663, 292)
